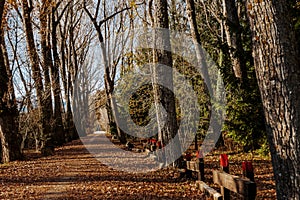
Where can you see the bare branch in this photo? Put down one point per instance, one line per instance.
(97, 9)
(150, 12)
(57, 6)
(62, 13)
(116, 13)
(93, 19)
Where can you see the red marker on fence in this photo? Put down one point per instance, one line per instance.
(248, 170)
(224, 163)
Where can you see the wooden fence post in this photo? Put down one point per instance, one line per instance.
(248, 170)
(188, 157)
(224, 163)
(200, 163)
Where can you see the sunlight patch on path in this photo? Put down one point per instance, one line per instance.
(61, 188)
(113, 156)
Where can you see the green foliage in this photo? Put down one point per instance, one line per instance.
(113, 128)
(296, 20)
(245, 122)
(194, 78)
(245, 118)
(264, 150)
(140, 104)
(142, 100)
(244, 111)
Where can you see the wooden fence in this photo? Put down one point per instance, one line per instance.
(243, 186)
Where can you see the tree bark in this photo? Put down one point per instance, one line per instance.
(70, 130)
(10, 140)
(163, 74)
(46, 60)
(190, 8)
(58, 122)
(11, 90)
(276, 60)
(37, 77)
(232, 29)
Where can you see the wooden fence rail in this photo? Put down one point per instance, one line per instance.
(245, 187)
(241, 186)
(209, 191)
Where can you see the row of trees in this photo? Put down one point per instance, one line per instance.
(49, 47)
(42, 49)
(255, 45)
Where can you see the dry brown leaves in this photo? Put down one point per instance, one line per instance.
(73, 173)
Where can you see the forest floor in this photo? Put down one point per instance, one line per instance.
(74, 173)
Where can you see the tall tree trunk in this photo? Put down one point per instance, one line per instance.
(164, 76)
(37, 77)
(201, 57)
(276, 60)
(190, 8)
(67, 66)
(58, 122)
(111, 106)
(46, 60)
(10, 140)
(76, 89)
(11, 90)
(70, 125)
(232, 29)
(109, 80)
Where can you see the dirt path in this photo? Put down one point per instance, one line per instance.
(73, 173)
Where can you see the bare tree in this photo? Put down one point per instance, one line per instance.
(42, 98)
(55, 17)
(73, 58)
(68, 66)
(110, 67)
(46, 59)
(10, 141)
